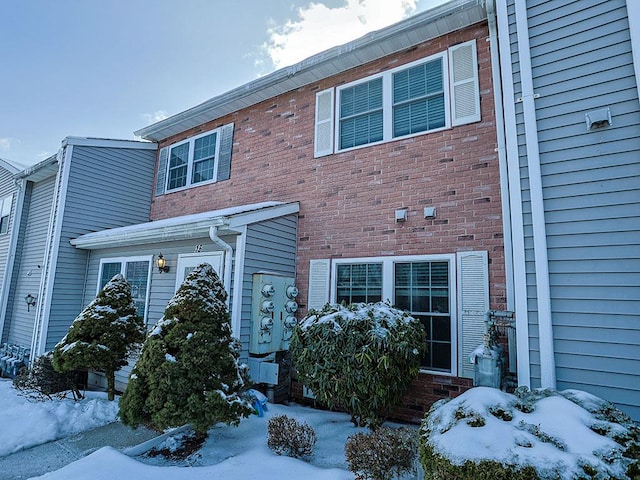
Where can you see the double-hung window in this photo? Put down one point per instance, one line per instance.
(136, 270)
(5, 213)
(448, 293)
(421, 285)
(427, 95)
(201, 159)
(193, 161)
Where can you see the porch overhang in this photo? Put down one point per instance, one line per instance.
(227, 221)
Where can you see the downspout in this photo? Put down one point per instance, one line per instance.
(228, 257)
(520, 304)
(501, 150)
(504, 172)
(543, 290)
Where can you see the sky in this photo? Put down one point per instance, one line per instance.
(106, 69)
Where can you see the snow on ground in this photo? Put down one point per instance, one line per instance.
(229, 452)
(28, 423)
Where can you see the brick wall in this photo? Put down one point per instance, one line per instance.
(347, 200)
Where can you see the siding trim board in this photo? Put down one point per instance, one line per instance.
(41, 323)
(543, 292)
(633, 16)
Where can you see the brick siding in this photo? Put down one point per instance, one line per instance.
(347, 200)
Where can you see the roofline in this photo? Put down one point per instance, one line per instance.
(9, 166)
(108, 142)
(184, 227)
(446, 18)
(40, 167)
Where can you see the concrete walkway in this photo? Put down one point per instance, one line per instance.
(51, 456)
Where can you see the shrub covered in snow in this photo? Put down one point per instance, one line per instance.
(544, 434)
(188, 371)
(382, 454)
(360, 357)
(287, 436)
(105, 334)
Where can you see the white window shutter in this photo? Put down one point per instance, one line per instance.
(473, 305)
(323, 138)
(318, 283)
(161, 178)
(464, 83)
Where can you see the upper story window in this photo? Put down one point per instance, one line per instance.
(426, 95)
(5, 213)
(201, 159)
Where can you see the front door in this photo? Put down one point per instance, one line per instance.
(189, 261)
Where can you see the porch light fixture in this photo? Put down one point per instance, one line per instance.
(162, 264)
(30, 300)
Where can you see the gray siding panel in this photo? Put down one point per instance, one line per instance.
(20, 320)
(581, 61)
(270, 246)
(94, 204)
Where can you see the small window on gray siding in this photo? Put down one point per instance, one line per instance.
(5, 213)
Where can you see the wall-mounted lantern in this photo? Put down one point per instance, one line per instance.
(31, 301)
(161, 262)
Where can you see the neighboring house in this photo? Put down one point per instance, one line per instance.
(571, 74)
(366, 172)
(8, 191)
(77, 191)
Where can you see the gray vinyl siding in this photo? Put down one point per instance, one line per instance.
(19, 321)
(107, 187)
(581, 61)
(7, 187)
(271, 247)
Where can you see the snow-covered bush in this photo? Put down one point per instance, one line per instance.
(188, 371)
(287, 436)
(382, 454)
(360, 357)
(105, 334)
(544, 434)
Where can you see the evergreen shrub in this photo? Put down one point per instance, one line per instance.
(105, 334)
(189, 370)
(360, 357)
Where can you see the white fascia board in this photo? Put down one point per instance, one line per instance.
(184, 227)
(109, 142)
(41, 170)
(633, 15)
(9, 166)
(448, 17)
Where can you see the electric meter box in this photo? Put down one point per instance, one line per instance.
(273, 308)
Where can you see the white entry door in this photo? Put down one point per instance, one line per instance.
(189, 261)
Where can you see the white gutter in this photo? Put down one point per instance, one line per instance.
(228, 255)
(45, 293)
(11, 254)
(543, 293)
(515, 199)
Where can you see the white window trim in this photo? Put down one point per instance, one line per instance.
(387, 102)
(389, 286)
(191, 142)
(123, 262)
(6, 201)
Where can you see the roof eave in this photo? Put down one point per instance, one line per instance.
(449, 17)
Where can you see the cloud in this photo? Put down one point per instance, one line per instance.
(319, 27)
(5, 144)
(157, 116)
